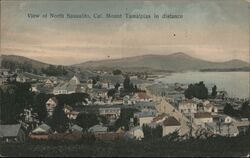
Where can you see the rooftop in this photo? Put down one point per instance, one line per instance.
(9, 130)
(203, 115)
(171, 121)
(160, 117)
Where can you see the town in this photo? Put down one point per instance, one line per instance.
(114, 105)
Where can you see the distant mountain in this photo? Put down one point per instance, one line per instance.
(246, 69)
(172, 62)
(32, 66)
(21, 60)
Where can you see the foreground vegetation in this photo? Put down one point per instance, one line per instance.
(214, 146)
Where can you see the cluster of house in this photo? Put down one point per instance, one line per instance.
(206, 114)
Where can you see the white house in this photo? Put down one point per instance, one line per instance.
(142, 96)
(73, 86)
(137, 132)
(209, 107)
(126, 100)
(223, 129)
(105, 84)
(225, 119)
(50, 105)
(49, 83)
(71, 114)
(170, 125)
(188, 107)
(202, 118)
(21, 78)
(145, 118)
(90, 85)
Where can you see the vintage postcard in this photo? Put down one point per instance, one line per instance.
(129, 78)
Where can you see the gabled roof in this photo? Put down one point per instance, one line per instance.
(98, 128)
(54, 99)
(74, 80)
(203, 115)
(9, 130)
(69, 86)
(143, 95)
(77, 128)
(44, 128)
(171, 121)
(160, 117)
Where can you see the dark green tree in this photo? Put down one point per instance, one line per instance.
(14, 98)
(86, 120)
(198, 90)
(117, 72)
(39, 101)
(124, 118)
(117, 85)
(126, 83)
(152, 133)
(111, 92)
(229, 110)
(214, 91)
(59, 121)
(245, 110)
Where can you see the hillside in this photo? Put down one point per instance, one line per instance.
(172, 62)
(20, 59)
(14, 62)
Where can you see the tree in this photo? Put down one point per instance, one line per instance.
(229, 110)
(152, 133)
(117, 72)
(214, 91)
(189, 92)
(86, 120)
(131, 87)
(59, 120)
(39, 101)
(53, 70)
(124, 118)
(27, 66)
(136, 88)
(117, 85)
(198, 90)
(111, 92)
(126, 83)
(14, 98)
(73, 99)
(245, 109)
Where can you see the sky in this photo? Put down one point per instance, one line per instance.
(214, 30)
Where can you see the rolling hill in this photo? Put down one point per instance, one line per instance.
(20, 59)
(172, 62)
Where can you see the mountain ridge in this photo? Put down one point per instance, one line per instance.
(173, 62)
